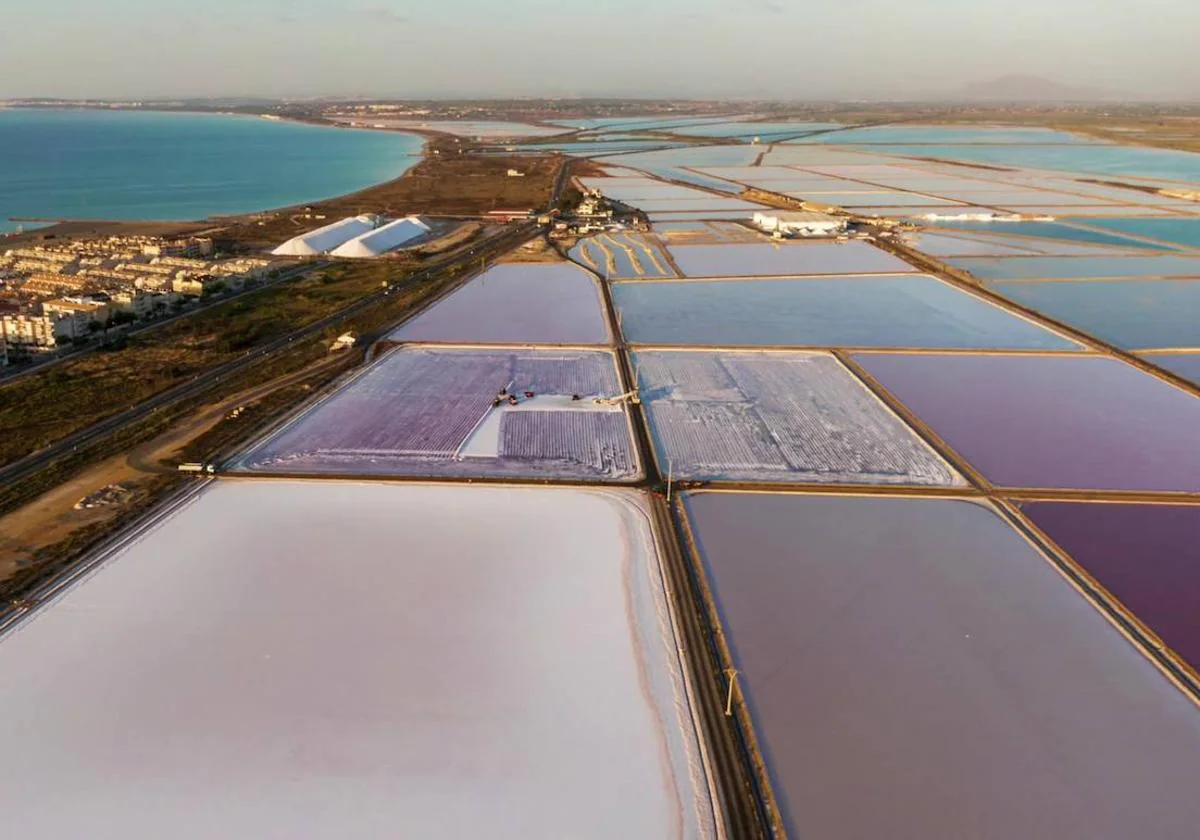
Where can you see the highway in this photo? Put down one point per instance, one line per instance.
(31, 464)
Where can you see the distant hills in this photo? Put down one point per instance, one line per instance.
(1019, 88)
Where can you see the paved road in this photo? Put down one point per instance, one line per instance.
(30, 464)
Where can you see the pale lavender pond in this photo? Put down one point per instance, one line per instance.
(1081, 423)
(423, 411)
(784, 259)
(517, 303)
(915, 670)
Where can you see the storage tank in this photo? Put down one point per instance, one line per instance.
(383, 239)
(327, 238)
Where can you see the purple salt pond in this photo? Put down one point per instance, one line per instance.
(425, 411)
(1082, 423)
(1147, 556)
(914, 668)
(517, 303)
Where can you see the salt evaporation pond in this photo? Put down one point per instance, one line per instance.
(939, 245)
(780, 417)
(517, 303)
(953, 685)
(314, 660)
(877, 199)
(766, 131)
(1069, 422)
(1186, 365)
(939, 134)
(1016, 246)
(1047, 230)
(423, 411)
(790, 259)
(643, 123)
(1011, 196)
(888, 311)
(1084, 215)
(1132, 314)
(624, 255)
(1177, 231)
(1144, 555)
(1093, 158)
(1029, 268)
(725, 215)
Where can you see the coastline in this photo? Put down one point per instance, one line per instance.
(56, 228)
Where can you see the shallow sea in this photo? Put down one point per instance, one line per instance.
(167, 166)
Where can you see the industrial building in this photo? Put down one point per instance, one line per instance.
(325, 239)
(799, 223)
(383, 239)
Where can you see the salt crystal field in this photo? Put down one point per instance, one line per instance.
(928, 537)
(794, 417)
(422, 411)
(953, 686)
(1070, 422)
(1144, 555)
(288, 674)
(517, 303)
(885, 311)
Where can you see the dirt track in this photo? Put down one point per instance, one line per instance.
(52, 517)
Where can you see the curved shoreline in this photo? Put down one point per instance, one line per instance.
(50, 227)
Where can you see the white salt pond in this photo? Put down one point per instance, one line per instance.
(783, 417)
(284, 659)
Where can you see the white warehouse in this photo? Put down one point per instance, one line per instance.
(801, 223)
(327, 238)
(379, 241)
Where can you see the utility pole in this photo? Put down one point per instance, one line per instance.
(733, 675)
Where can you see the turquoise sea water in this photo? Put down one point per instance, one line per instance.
(143, 165)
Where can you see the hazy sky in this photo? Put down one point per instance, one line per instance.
(769, 48)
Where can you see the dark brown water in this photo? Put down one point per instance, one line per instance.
(1059, 422)
(917, 671)
(1148, 556)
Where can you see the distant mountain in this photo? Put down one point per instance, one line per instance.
(1017, 88)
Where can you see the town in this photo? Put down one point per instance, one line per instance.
(60, 295)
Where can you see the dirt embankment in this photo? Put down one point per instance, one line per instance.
(51, 527)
